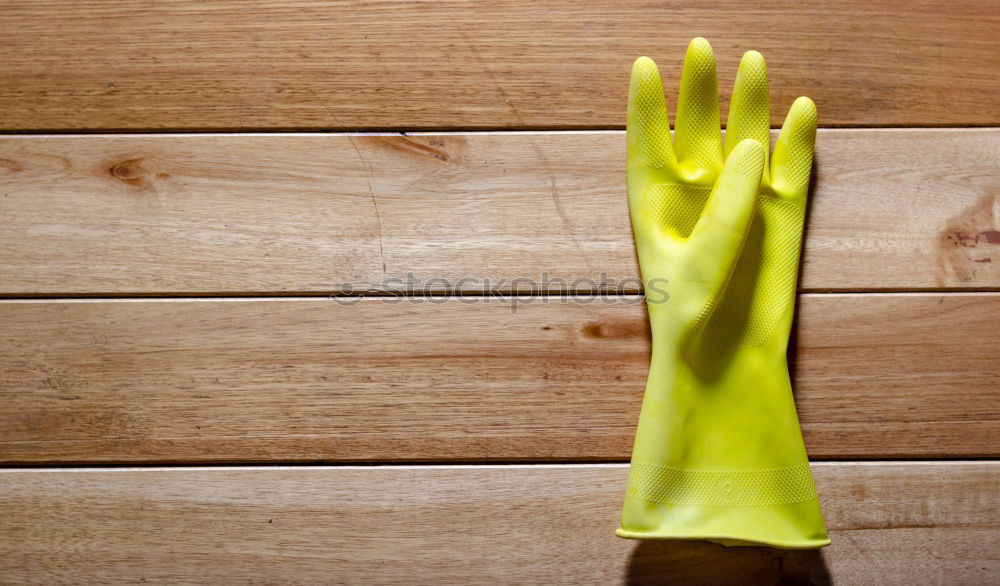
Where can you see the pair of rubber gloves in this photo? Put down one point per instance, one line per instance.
(718, 453)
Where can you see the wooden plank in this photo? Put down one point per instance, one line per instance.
(226, 64)
(296, 380)
(136, 215)
(890, 523)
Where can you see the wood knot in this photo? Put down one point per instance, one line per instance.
(130, 171)
(966, 245)
(11, 166)
(425, 146)
(614, 330)
(989, 237)
(137, 172)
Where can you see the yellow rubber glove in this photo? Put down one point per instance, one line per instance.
(718, 453)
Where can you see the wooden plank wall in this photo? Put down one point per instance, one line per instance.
(256, 214)
(305, 379)
(207, 210)
(890, 522)
(236, 65)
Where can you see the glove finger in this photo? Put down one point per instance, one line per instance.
(698, 135)
(791, 163)
(750, 107)
(648, 128)
(718, 236)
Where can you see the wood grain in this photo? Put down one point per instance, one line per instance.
(300, 380)
(890, 523)
(137, 215)
(227, 64)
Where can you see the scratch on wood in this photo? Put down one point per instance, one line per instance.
(368, 176)
(564, 218)
(558, 203)
(378, 216)
(862, 551)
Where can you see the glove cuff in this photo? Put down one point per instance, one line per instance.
(777, 507)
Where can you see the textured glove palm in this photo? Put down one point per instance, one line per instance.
(718, 453)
